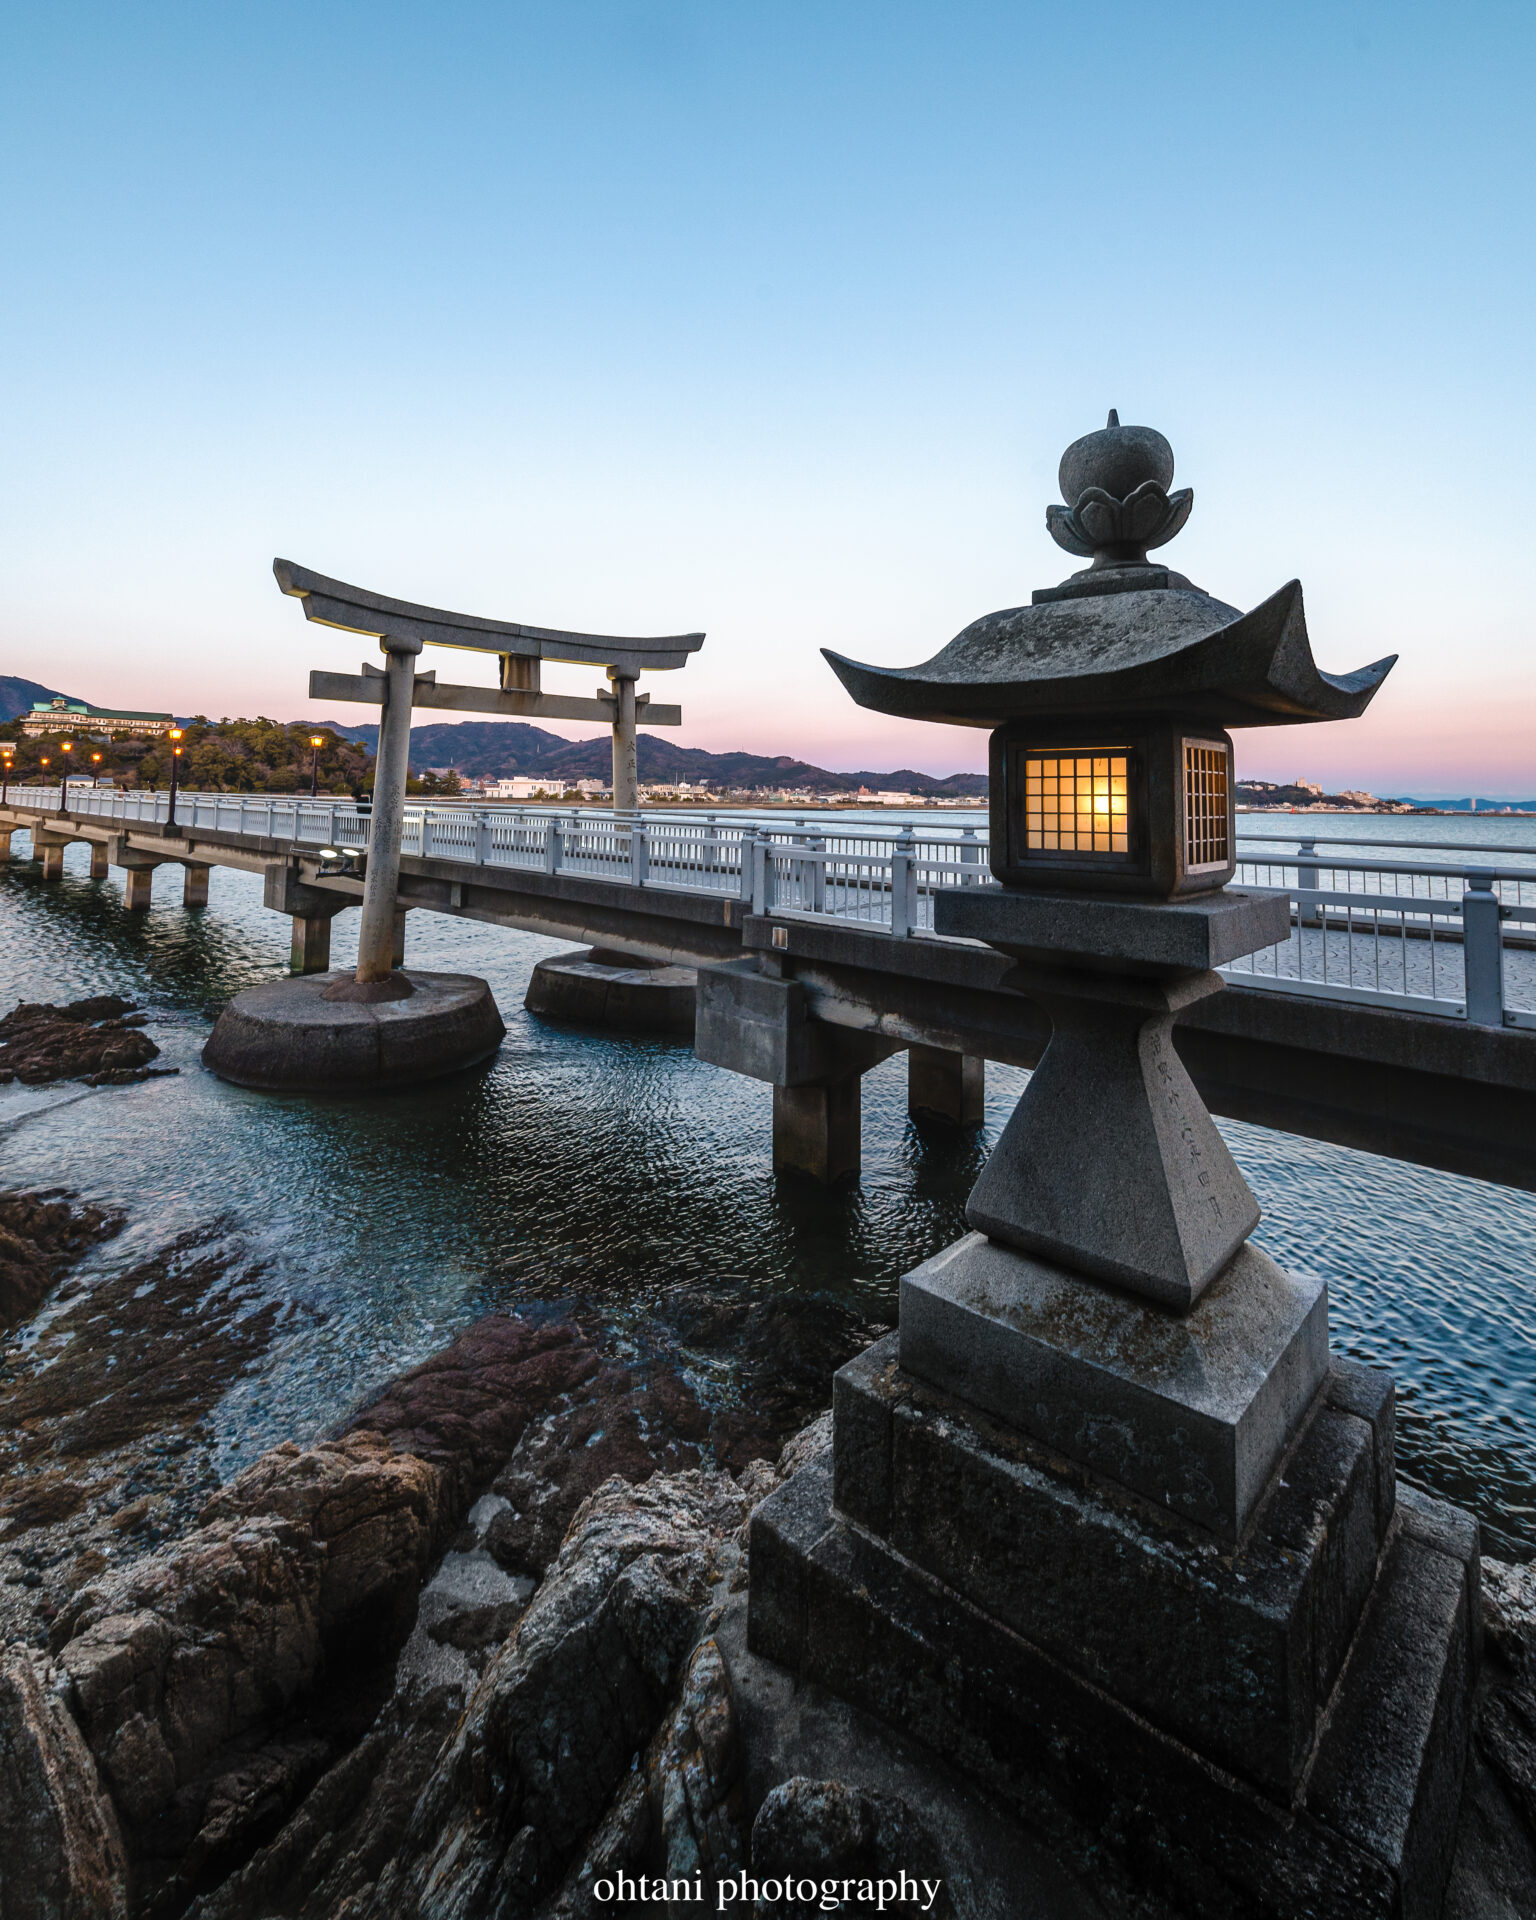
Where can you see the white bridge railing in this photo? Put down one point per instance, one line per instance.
(1424, 934)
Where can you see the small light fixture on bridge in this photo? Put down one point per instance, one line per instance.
(170, 812)
(336, 860)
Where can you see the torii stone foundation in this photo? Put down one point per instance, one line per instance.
(288, 1036)
(600, 987)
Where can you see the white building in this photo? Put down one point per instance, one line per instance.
(541, 786)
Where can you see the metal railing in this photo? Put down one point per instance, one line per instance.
(1450, 938)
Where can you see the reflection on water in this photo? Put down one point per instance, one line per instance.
(576, 1164)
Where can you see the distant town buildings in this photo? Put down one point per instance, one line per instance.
(537, 786)
(94, 723)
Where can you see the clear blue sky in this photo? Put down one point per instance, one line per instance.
(771, 319)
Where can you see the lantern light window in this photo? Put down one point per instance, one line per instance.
(1077, 802)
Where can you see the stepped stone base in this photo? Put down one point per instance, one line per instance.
(1193, 1410)
(599, 988)
(1276, 1729)
(288, 1037)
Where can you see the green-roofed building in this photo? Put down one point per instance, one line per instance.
(98, 723)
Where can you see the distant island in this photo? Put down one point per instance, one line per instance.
(1306, 796)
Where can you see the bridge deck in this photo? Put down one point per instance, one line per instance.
(1385, 1022)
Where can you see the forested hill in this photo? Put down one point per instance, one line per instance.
(497, 749)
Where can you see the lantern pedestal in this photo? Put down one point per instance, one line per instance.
(1110, 1163)
(1103, 1523)
(1278, 1730)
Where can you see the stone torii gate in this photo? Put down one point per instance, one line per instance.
(403, 629)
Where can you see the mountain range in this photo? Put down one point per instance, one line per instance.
(498, 749)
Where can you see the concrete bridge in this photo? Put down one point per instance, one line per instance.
(1400, 1017)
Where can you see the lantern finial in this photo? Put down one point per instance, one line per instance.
(1115, 485)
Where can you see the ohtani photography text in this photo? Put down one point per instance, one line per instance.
(799, 1890)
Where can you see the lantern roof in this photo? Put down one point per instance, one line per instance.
(1125, 636)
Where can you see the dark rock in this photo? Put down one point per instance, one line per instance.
(144, 1351)
(333, 1849)
(183, 1668)
(41, 1237)
(102, 1449)
(1509, 1613)
(614, 1424)
(41, 1502)
(40, 1043)
(540, 1752)
(1506, 1726)
(374, 1511)
(61, 1856)
(190, 1647)
(466, 1408)
(695, 1774)
(680, 1814)
(475, 1628)
(1493, 1875)
(248, 1799)
(824, 1830)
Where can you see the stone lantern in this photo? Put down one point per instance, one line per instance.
(1104, 1520)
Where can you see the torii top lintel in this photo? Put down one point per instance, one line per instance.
(335, 604)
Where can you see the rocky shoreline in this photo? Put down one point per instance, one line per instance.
(480, 1654)
(99, 1040)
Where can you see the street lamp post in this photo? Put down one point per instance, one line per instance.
(65, 746)
(316, 741)
(5, 774)
(170, 813)
(95, 768)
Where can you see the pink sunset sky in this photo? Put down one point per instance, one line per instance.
(772, 322)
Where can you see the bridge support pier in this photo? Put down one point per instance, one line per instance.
(818, 1130)
(194, 886)
(49, 848)
(397, 951)
(311, 909)
(100, 862)
(136, 889)
(754, 1020)
(946, 1086)
(5, 843)
(310, 951)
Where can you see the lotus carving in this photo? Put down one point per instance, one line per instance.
(1115, 532)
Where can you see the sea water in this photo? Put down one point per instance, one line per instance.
(611, 1170)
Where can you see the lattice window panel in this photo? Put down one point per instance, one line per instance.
(1076, 803)
(1206, 841)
